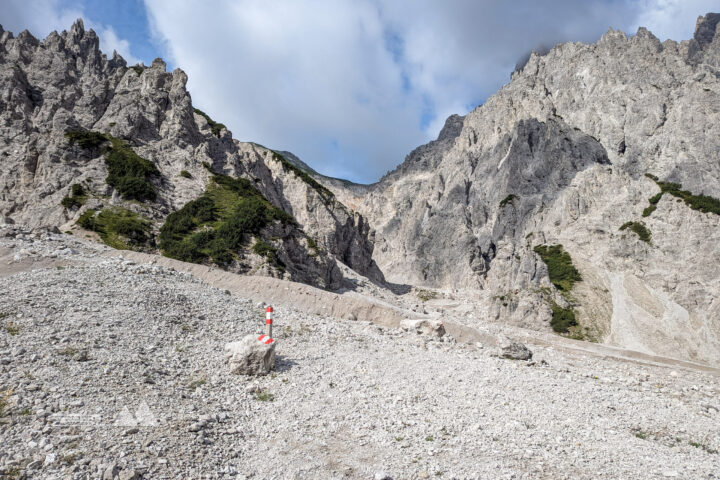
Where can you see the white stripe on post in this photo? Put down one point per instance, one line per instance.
(269, 320)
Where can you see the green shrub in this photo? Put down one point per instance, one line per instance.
(639, 228)
(129, 173)
(325, 194)
(118, 227)
(185, 174)
(139, 69)
(561, 270)
(77, 190)
(562, 318)
(86, 138)
(509, 199)
(77, 197)
(648, 210)
(655, 198)
(217, 224)
(264, 249)
(702, 203)
(214, 126)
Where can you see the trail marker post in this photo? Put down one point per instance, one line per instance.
(269, 320)
(267, 337)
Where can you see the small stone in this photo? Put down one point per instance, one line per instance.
(128, 474)
(382, 476)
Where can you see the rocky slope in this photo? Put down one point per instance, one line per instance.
(114, 369)
(65, 84)
(559, 156)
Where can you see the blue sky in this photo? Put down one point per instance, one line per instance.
(350, 87)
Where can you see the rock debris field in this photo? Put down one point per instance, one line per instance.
(112, 369)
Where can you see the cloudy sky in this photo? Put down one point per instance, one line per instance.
(349, 86)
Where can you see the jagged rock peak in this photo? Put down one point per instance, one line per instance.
(452, 128)
(706, 28)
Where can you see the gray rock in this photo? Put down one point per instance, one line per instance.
(250, 356)
(514, 350)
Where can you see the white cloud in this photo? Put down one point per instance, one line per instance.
(41, 17)
(674, 19)
(352, 86)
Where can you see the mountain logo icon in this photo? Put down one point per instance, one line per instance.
(143, 417)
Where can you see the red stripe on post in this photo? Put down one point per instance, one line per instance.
(268, 321)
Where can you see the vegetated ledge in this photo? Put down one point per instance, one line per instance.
(119, 228)
(701, 203)
(128, 172)
(325, 194)
(214, 126)
(563, 275)
(216, 225)
(639, 229)
(509, 199)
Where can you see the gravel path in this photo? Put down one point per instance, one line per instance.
(111, 369)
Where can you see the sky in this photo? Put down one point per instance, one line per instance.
(350, 87)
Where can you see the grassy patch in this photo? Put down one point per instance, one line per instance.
(265, 396)
(426, 295)
(128, 172)
(561, 270)
(12, 328)
(118, 227)
(218, 223)
(194, 384)
(509, 199)
(640, 229)
(326, 194)
(214, 126)
(185, 174)
(562, 318)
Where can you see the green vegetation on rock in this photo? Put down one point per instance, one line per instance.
(214, 126)
(561, 270)
(562, 318)
(701, 203)
(326, 194)
(118, 227)
(639, 228)
(218, 223)
(509, 199)
(128, 172)
(76, 198)
(185, 174)
(139, 69)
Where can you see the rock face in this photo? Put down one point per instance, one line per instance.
(559, 156)
(250, 356)
(65, 83)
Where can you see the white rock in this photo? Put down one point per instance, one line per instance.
(250, 356)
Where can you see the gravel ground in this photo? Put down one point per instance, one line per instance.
(111, 369)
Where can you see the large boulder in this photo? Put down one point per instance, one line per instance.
(509, 348)
(424, 327)
(251, 356)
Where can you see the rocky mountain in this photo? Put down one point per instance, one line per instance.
(581, 198)
(89, 141)
(611, 151)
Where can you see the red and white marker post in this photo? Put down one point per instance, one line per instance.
(267, 338)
